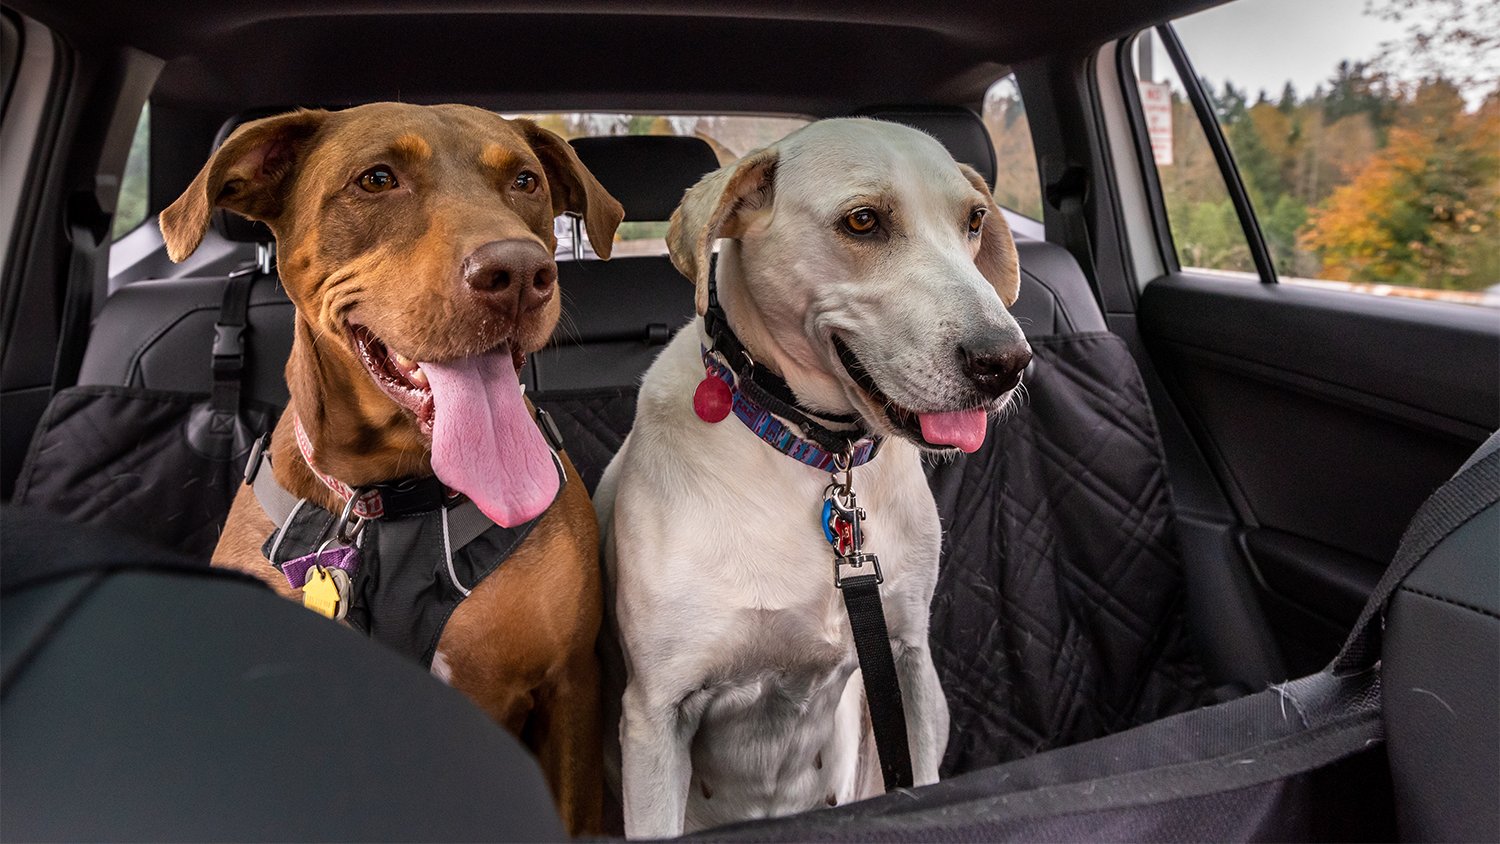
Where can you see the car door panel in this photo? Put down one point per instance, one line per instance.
(1329, 417)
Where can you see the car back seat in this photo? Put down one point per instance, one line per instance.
(1059, 611)
(618, 314)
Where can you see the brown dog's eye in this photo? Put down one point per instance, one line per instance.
(527, 182)
(377, 180)
(976, 220)
(861, 221)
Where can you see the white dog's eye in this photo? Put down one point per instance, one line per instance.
(861, 221)
(976, 220)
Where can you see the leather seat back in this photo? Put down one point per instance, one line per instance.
(618, 313)
(1441, 684)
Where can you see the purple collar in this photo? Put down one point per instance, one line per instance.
(776, 434)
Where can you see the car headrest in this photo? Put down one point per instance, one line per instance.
(648, 174)
(227, 223)
(959, 129)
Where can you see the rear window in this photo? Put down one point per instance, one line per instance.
(135, 183)
(1018, 185)
(730, 135)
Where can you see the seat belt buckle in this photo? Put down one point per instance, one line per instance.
(229, 350)
(229, 340)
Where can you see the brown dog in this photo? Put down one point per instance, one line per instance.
(409, 234)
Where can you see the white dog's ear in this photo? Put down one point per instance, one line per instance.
(717, 207)
(247, 174)
(997, 259)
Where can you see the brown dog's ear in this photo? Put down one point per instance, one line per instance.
(574, 188)
(247, 174)
(715, 208)
(997, 259)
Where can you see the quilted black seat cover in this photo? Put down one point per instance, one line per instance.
(593, 424)
(1058, 616)
(122, 458)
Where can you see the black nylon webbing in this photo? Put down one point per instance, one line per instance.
(230, 344)
(1460, 499)
(882, 687)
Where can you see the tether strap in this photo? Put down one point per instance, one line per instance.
(882, 687)
(1474, 488)
(230, 344)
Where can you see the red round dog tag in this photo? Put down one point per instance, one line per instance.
(712, 399)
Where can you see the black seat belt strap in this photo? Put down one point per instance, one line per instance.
(78, 307)
(231, 343)
(1474, 488)
(872, 642)
(1067, 195)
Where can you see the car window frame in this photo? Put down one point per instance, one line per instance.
(14, 44)
(1203, 111)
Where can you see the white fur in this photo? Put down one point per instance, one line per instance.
(729, 654)
(440, 667)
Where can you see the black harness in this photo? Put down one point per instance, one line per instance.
(416, 562)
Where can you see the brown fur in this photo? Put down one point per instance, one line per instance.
(522, 644)
(997, 259)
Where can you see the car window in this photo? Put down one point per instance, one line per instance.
(1206, 229)
(1018, 184)
(135, 184)
(731, 136)
(1367, 135)
(10, 56)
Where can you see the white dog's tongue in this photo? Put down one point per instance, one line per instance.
(963, 429)
(484, 442)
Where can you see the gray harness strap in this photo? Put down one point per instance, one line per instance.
(465, 522)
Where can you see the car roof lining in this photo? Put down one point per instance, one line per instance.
(780, 56)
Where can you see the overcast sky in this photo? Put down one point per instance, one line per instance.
(1264, 43)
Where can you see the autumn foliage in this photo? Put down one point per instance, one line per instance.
(1366, 180)
(1423, 210)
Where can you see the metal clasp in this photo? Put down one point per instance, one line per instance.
(855, 561)
(350, 524)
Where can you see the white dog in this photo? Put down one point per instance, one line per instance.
(872, 272)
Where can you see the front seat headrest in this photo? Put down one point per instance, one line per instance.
(227, 223)
(958, 128)
(648, 174)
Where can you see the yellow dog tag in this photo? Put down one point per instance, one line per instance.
(321, 593)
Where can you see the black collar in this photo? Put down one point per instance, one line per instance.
(770, 390)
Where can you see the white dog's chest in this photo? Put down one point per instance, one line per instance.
(781, 723)
(769, 734)
(737, 655)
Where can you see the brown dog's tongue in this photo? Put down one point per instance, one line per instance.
(484, 442)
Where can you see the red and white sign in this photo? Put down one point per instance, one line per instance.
(1156, 105)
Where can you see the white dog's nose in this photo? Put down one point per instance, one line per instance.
(996, 368)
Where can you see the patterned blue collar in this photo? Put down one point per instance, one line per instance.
(775, 433)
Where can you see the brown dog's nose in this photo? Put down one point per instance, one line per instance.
(996, 367)
(508, 266)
